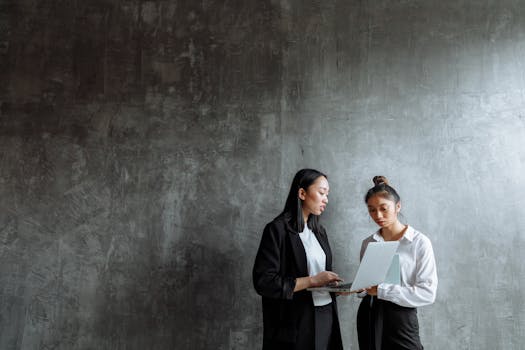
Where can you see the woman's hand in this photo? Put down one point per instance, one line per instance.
(319, 280)
(372, 291)
(324, 278)
(343, 293)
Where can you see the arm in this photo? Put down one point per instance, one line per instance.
(268, 278)
(423, 290)
(267, 269)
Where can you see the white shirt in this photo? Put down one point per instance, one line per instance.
(316, 262)
(418, 270)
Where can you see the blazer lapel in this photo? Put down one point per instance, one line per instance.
(323, 241)
(298, 252)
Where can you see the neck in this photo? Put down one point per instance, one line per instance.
(393, 232)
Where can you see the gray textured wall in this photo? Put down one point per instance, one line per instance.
(144, 145)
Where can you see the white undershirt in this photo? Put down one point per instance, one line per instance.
(316, 262)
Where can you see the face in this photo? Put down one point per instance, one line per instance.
(315, 197)
(383, 210)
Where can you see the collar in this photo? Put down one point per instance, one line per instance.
(409, 235)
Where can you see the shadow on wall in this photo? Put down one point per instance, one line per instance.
(82, 181)
(199, 52)
(181, 304)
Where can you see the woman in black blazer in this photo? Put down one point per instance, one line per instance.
(294, 255)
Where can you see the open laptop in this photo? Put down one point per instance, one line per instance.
(372, 271)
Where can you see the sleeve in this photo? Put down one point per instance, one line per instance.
(268, 279)
(423, 291)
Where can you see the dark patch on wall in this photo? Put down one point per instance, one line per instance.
(121, 122)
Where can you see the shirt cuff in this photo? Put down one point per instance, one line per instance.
(385, 291)
(382, 291)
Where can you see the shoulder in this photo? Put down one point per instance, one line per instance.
(418, 235)
(364, 244)
(282, 219)
(420, 239)
(368, 239)
(279, 224)
(277, 221)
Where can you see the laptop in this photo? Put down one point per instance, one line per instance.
(373, 269)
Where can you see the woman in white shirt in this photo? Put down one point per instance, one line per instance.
(387, 316)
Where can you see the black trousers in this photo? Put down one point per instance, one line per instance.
(382, 325)
(318, 338)
(324, 321)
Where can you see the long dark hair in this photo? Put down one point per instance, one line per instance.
(293, 209)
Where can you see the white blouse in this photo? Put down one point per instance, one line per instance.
(316, 262)
(418, 270)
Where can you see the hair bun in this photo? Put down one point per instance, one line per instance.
(380, 179)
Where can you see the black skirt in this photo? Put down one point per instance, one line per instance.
(382, 325)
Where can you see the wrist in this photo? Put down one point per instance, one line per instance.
(311, 281)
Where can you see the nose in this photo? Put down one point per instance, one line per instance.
(379, 215)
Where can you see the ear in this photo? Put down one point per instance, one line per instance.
(301, 194)
(398, 207)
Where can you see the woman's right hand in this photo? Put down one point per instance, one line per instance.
(324, 278)
(319, 280)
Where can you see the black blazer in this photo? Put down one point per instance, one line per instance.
(288, 317)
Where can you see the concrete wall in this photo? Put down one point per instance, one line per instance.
(144, 145)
